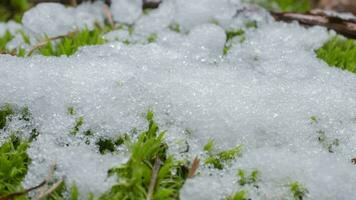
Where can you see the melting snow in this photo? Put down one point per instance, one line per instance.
(262, 95)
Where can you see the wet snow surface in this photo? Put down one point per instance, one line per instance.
(262, 94)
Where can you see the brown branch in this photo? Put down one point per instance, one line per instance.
(153, 181)
(44, 43)
(320, 18)
(108, 15)
(17, 194)
(50, 190)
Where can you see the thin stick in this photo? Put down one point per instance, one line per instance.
(17, 194)
(44, 43)
(154, 175)
(194, 167)
(48, 179)
(50, 190)
(108, 15)
(346, 27)
(73, 2)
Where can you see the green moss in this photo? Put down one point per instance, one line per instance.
(284, 5)
(251, 179)
(299, 192)
(5, 112)
(326, 142)
(134, 176)
(78, 124)
(231, 34)
(13, 9)
(240, 195)
(175, 27)
(6, 38)
(14, 165)
(218, 160)
(152, 38)
(339, 52)
(70, 44)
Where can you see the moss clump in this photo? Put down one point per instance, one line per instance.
(251, 179)
(14, 164)
(231, 34)
(284, 5)
(299, 192)
(71, 43)
(240, 195)
(134, 177)
(339, 52)
(218, 160)
(5, 112)
(13, 9)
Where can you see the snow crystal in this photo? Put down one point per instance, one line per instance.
(262, 95)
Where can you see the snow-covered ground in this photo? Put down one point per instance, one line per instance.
(262, 95)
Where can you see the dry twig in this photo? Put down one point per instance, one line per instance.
(346, 27)
(153, 181)
(17, 194)
(193, 169)
(44, 43)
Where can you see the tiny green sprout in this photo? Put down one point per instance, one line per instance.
(105, 145)
(209, 146)
(25, 37)
(152, 38)
(78, 123)
(251, 24)
(74, 192)
(314, 119)
(174, 27)
(5, 112)
(71, 111)
(298, 191)
(146, 11)
(326, 142)
(240, 195)
(6, 38)
(252, 179)
(339, 52)
(25, 113)
(218, 160)
(230, 35)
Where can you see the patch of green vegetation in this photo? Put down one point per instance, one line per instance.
(240, 195)
(174, 27)
(5, 39)
(152, 38)
(251, 179)
(218, 160)
(106, 145)
(5, 112)
(298, 191)
(231, 34)
(339, 52)
(13, 9)
(284, 5)
(327, 143)
(14, 163)
(314, 119)
(71, 43)
(71, 111)
(78, 124)
(135, 175)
